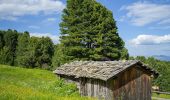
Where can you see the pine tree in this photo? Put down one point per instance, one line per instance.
(89, 32)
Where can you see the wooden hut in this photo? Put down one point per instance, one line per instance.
(110, 80)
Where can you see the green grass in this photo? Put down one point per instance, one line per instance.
(34, 84)
(161, 95)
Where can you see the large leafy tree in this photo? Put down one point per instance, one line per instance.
(58, 57)
(32, 53)
(45, 52)
(89, 32)
(8, 46)
(22, 49)
(1, 39)
(38, 53)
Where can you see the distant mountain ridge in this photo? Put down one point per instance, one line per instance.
(162, 57)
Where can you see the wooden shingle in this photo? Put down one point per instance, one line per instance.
(102, 70)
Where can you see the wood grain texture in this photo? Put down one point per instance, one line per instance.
(133, 84)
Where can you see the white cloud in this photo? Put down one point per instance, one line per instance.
(12, 9)
(148, 50)
(51, 19)
(122, 18)
(166, 21)
(160, 27)
(141, 14)
(55, 38)
(150, 39)
(33, 27)
(11, 18)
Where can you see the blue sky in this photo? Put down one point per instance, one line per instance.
(144, 25)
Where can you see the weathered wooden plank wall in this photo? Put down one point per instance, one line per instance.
(93, 87)
(133, 84)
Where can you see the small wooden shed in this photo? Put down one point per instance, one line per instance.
(110, 80)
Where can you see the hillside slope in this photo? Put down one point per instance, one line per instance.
(35, 84)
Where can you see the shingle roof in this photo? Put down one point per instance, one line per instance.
(103, 70)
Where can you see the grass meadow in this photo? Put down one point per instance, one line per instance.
(34, 84)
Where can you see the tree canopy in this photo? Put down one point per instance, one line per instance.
(22, 50)
(89, 32)
(8, 46)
